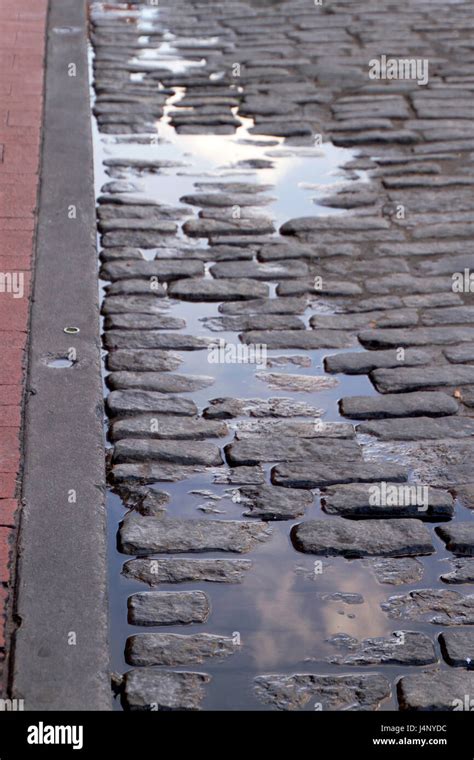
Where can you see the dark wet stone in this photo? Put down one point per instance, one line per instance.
(356, 500)
(419, 428)
(150, 164)
(149, 450)
(124, 305)
(120, 254)
(153, 535)
(221, 253)
(125, 111)
(264, 106)
(466, 395)
(457, 315)
(320, 475)
(398, 405)
(155, 381)
(300, 339)
(275, 428)
(143, 499)
(186, 119)
(255, 449)
(142, 360)
(138, 238)
(262, 306)
(294, 692)
(379, 538)
(211, 227)
(417, 301)
(437, 606)
(418, 336)
(217, 290)
(143, 322)
(225, 214)
(421, 180)
(404, 379)
(150, 689)
(396, 571)
(225, 199)
(369, 267)
(460, 354)
(363, 362)
(206, 129)
(233, 187)
(377, 137)
(162, 269)
(270, 271)
(305, 224)
(401, 648)
(168, 607)
(129, 199)
(458, 647)
(279, 129)
(152, 472)
(459, 537)
(405, 283)
(175, 428)
(239, 241)
(124, 403)
(188, 101)
(119, 186)
(224, 408)
(175, 649)
(155, 571)
(349, 199)
(301, 286)
(444, 690)
(424, 249)
(227, 408)
(269, 503)
(136, 339)
(463, 571)
(286, 248)
(252, 476)
(254, 163)
(136, 287)
(254, 322)
(399, 318)
(114, 217)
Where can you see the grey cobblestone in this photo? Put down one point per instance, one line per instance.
(220, 243)
(443, 690)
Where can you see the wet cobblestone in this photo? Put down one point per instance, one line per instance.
(258, 186)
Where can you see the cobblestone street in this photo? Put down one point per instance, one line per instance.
(237, 372)
(286, 241)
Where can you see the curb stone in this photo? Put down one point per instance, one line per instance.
(60, 656)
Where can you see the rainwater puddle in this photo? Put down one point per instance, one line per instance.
(277, 611)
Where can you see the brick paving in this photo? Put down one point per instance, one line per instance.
(379, 279)
(22, 42)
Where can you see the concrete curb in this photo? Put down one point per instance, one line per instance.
(60, 650)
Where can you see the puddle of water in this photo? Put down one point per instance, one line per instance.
(277, 609)
(297, 177)
(60, 363)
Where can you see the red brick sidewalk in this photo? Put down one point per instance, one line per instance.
(22, 43)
